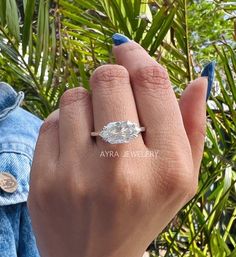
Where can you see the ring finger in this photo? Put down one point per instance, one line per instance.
(112, 98)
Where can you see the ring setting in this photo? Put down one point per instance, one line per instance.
(119, 132)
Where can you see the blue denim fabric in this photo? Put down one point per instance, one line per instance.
(16, 235)
(18, 134)
(9, 99)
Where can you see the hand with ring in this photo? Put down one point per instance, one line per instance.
(112, 168)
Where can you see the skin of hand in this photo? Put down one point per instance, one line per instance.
(86, 205)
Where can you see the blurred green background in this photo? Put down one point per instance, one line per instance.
(48, 46)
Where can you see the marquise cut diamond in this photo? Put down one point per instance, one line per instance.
(120, 132)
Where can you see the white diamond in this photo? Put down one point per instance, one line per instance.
(120, 132)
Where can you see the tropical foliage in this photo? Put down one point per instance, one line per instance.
(49, 46)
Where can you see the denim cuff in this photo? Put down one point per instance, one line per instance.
(18, 134)
(15, 162)
(9, 99)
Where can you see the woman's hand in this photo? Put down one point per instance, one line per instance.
(89, 198)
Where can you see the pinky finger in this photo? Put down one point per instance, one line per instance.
(193, 109)
(47, 146)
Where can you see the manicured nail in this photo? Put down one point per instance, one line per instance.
(209, 71)
(120, 39)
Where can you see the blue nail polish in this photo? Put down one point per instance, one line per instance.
(120, 39)
(209, 71)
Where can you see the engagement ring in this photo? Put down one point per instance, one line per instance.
(119, 132)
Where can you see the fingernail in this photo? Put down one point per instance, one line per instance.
(209, 71)
(120, 39)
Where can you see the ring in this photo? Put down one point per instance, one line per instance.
(119, 132)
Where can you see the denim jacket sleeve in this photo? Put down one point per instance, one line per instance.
(18, 134)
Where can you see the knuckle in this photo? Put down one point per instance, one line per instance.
(153, 77)
(51, 121)
(48, 124)
(40, 196)
(72, 95)
(78, 193)
(122, 192)
(178, 176)
(179, 184)
(109, 73)
(68, 97)
(181, 190)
